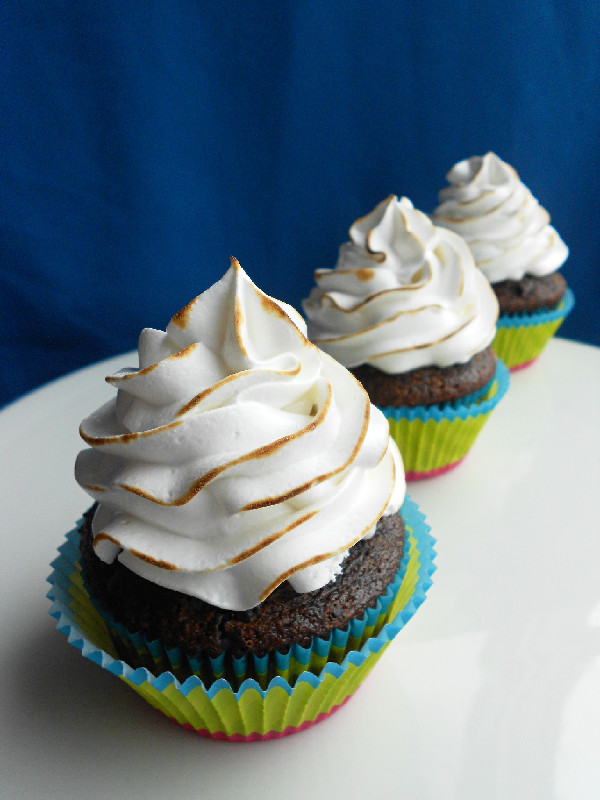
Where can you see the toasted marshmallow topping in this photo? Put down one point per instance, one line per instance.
(237, 455)
(504, 225)
(404, 294)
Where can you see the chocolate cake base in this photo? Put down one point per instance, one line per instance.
(530, 293)
(284, 618)
(427, 385)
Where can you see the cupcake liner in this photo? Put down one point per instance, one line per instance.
(434, 439)
(138, 651)
(309, 684)
(520, 338)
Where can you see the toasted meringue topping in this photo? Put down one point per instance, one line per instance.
(404, 294)
(505, 227)
(237, 455)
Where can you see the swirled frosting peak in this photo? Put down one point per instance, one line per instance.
(404, 294)
(509, 233)
(237, 455)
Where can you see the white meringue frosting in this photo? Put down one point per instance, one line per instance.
(237, 455)
(404, 294)
(509, 233)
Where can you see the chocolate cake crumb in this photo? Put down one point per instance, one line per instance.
(427, 385)
(531, 293)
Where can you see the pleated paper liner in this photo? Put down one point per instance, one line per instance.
(434, 439)
(520, 338)
(307, 684)
(138, 651)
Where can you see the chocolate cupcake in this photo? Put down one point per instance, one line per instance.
(286, 617)
(517, 249)
(427, 386)
(246, 534)
(407, 312)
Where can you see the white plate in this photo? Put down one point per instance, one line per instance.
(491, 691)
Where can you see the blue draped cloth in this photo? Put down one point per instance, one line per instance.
(142, 144)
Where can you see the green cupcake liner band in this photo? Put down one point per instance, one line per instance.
(432, 438)
(288, 702)
(520, 338)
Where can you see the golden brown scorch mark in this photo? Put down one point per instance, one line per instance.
(260, 452)
(124, 438)
(147, 370)
(364, 274)
(181, 318)
(100, 537)
(153, 561)
(269, 540)
(142, 556)
(204, 394)
(324, 556)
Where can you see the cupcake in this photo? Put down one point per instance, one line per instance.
(516, 248)
(408, 313)
(250, 551)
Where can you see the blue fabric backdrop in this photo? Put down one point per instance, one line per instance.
(143, 143)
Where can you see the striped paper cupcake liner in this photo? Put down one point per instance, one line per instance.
(287, 692)
(434, 439)
(520, 338)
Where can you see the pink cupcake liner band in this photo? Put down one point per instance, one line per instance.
(524, 365)
(432, 473)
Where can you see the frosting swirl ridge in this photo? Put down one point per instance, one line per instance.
(404, 294)
(509, 233)
(237, 455)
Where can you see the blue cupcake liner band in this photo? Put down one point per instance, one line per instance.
(481, 402)
(62, 611)
(526, 318)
